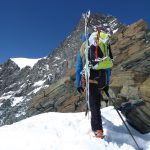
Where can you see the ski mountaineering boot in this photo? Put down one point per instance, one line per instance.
(99, 134)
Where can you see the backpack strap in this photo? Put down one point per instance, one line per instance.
(106, 50)
(97, 42)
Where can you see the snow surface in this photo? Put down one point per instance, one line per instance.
(69, 131)
(57, 58)
(17, 100)
(114, 31)
(39, 83)
(23, 62)
(5, 96)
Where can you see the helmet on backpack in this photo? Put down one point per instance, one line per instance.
(103, 38)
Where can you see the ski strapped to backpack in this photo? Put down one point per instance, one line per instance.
(87, 71)
(96, 54)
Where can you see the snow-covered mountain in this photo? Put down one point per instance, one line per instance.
(23, 62)
(22, 78)
(65, 131)
(48, 84)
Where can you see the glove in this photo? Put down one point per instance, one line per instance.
(80, 89)
(106, 88)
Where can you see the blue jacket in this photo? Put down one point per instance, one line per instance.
(79, 68)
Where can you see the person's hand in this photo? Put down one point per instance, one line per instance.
(106, 88)
(80, 89)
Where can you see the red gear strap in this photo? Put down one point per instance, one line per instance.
(97, 41)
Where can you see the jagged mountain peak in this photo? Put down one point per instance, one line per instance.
(109, 23)
(49, 84)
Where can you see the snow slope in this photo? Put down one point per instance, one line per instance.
(23, 62)
(65, 131)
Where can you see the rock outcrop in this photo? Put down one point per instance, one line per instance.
(132, 62)
(131, 73)
(61, 96)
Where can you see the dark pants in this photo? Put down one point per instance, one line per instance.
(94, 101)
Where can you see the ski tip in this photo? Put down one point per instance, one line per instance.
(87, 14)
(83, 15)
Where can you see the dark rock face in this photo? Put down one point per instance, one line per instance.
(132, 61)
(131, 73)
(139, 117)
(50, 84)
(8, 72)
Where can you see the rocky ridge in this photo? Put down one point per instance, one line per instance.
(19, 86)
(129, 81)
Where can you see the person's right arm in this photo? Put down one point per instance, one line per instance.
(78, 70)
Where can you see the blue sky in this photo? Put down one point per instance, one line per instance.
(32, 28)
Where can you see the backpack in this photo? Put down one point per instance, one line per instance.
(99, 58)
(98, 53)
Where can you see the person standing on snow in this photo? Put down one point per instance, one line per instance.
(99, 74)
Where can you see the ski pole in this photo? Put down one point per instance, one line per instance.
(123, 120)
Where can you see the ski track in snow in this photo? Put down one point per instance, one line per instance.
(65, 131)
